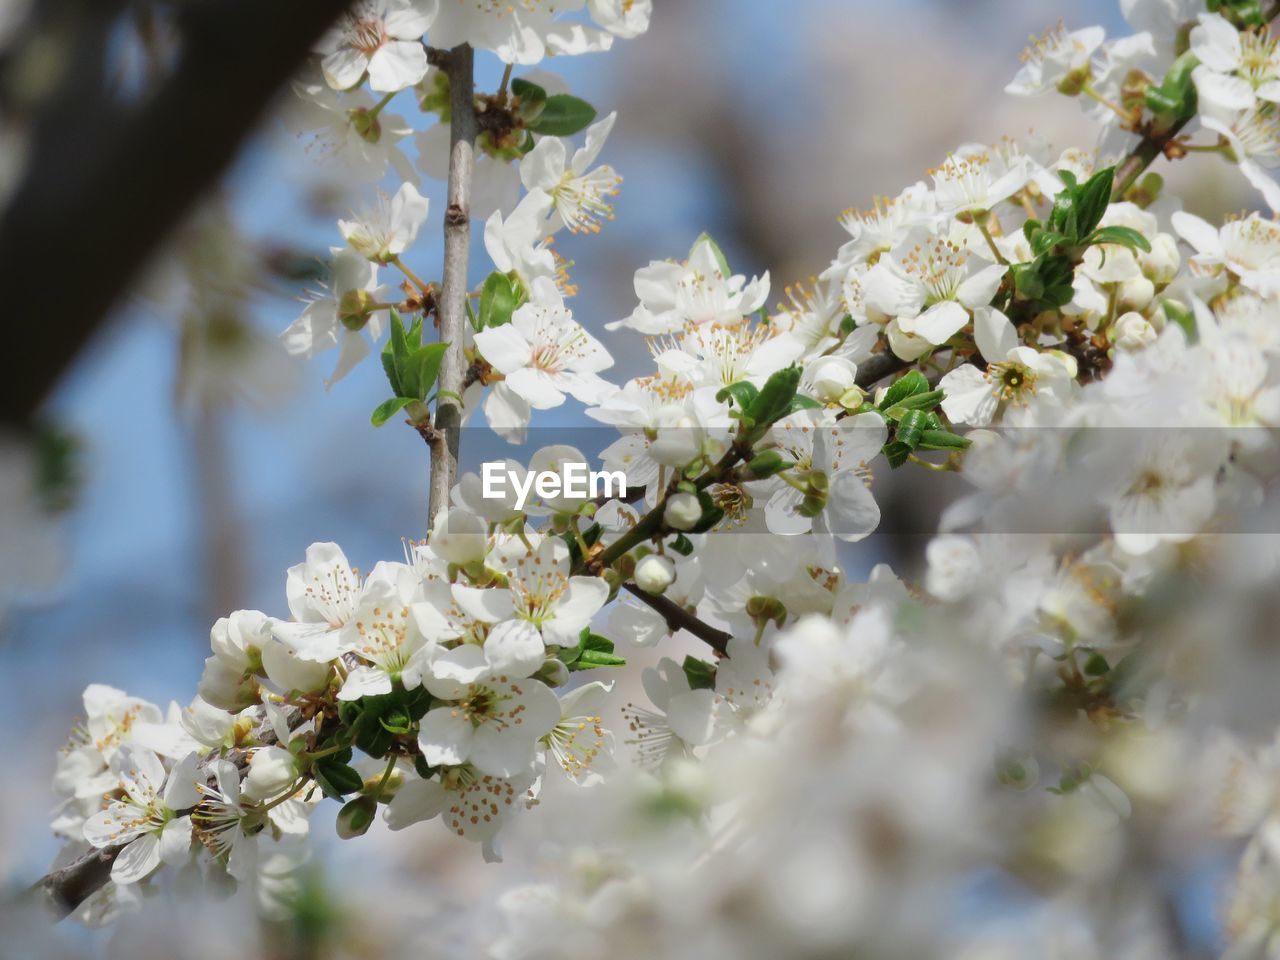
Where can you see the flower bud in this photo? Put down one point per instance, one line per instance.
(1136, 293)
(830, 377)
(458, 537)
(654, 573)
(1132, 332)
(271, 771)
(678, 441)
(356, 816)
(683, 511)
(1161, 265)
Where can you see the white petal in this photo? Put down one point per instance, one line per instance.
(445, 736)
(939, 323)
(365, 682)
(343, 68)
(489, 605)
(397, 64)
(415, 801)
(515, 647)
(993, 333)
(137, 860)
(504, 348)
(1202, 235)
(978, 289)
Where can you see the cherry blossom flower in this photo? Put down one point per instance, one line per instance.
(344, 317)
(581, 197)
(544, 353)
(1014, 374)
(931, 286)
(492, 720)
(146, 820)
(385, 230)
(1249, 249)
(382, 38)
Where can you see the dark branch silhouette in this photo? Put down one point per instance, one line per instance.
(108, 178)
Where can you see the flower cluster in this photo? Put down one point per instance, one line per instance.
(1080, 652)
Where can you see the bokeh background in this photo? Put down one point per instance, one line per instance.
(205, 477)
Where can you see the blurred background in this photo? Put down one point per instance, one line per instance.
(208, 460)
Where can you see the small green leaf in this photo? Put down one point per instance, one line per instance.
(700, 674)
(1094, 197)
(337, 779)
(563, 115)
(596, 651)
(910, 428)
(741, 393)
(801, 402)
(388, 409)
(942, 440)
(682, 545)
(920, 401)
(427, 362)
(908, 385)
(1125, 236)
(774, 399)
(896, 453)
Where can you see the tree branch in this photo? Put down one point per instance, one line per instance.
(678, 618)
(108, 177)
(459, 65)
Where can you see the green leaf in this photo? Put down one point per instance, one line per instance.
(721, 259)
(426, 364)
(1094, 197)
(766, 463)
(1046, 240)
(910, 428)
(337, 779)
(896, 453)
(801, 402)
(596, 651)
(742, 393)
(388, 409)
(396, 346)
(1125, 236)
(920, 401)
(682, 545)
(396, 720)
(774, 399)
(942, 440)
(700, 674)
(563, 115)
(907, 385)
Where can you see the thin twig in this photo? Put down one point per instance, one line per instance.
(678, 618)
(459, 66)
